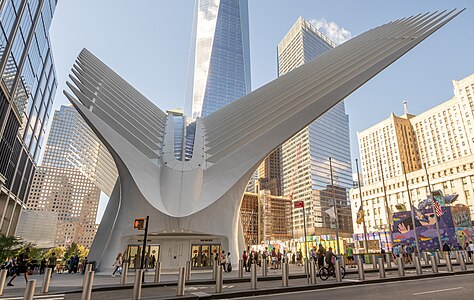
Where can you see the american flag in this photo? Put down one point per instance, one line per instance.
(439, 211)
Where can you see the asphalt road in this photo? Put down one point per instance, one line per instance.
(451, 287)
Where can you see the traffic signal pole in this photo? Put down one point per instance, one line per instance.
(145, 237)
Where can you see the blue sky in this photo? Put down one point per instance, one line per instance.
(148, 41)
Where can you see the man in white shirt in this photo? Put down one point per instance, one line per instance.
(470, 249)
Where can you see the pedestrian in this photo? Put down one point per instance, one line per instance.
(223, 261)
(470, 249)
(409, 253)
(228, 264)
(22, 262)
(350, 256)
(42, 265)
(84, 265)
(117, 265)
(245, 261)
(321, 254)
(52, 262)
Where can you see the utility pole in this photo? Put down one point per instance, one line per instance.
(145, 237)
(387, 208)
(412, 209)
(366, 245)
(434, 210)
(335, 209)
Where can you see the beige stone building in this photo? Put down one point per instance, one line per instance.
(441, 137)
(74, 169)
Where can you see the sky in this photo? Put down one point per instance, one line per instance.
(148, 42)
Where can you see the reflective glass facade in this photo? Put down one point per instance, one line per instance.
(222, 55)
(305, 157)
(28, 85)
(60, 186)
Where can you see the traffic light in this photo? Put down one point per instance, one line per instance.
(139, 224)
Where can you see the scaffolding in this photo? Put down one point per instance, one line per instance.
(265, 217)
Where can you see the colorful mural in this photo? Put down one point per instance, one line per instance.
(454, 225)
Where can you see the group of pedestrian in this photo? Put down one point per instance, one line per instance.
(322, 256)
(404, 251)
(223, 260)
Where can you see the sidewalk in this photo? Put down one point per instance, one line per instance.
(201, 280)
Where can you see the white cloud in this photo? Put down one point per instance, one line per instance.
(333, 31)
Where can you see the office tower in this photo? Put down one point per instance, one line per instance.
(59, 186)
(222, 55)
(305, 156)
(442, 138)
(26, 95)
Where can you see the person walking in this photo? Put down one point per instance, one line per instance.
(470, 249)
(245, 261)
(52, 262)
(223, 261)
(22, 263)
(321, 254)
(42, 265)
(228, 264)
(117, 265)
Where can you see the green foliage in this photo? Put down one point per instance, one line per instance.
(76, 249)
(9, 246)
(58, 250)
(34, 251)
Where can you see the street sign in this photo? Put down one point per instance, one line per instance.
(139, 224)
(299, 204)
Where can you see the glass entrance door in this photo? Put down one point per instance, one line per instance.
(202, 255)
(134, 252)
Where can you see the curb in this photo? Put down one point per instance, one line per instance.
(279, 290)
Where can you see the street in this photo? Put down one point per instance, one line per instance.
(452, 287)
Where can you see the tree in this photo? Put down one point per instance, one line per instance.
(59, 251)
(76, 249)
(9, 246)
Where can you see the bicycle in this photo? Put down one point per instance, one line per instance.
(325, 272)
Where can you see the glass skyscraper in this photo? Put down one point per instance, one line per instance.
(222, 55)
(305, 157)
(28, 85)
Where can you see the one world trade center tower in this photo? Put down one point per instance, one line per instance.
(221, 67)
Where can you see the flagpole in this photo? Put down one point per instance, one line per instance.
(305, 235)
(434, 210)
(412, 211)
(366, 245)
(335, 208)
(387, 209)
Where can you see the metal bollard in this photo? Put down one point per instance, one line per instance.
(241, 268)
(264, 267)
(360, 269)
(157, 272)
(87, 288)
(47, 280)
(306, 265)
(456, 255)
(449, 265)
(137, 286)
(30, 290)
(381, 268)
(388, 259)
(434, 264)
(462, 262)
(215, 267)
(88, 268)
(284, 274)
(181, 281)
(425, 258)
(3, 278)
(253, 277)
(401, 270)
(417, 263)
(374, 261)
(312, 272)
(466, 256)
(219, 281)
(188, 270)
(438, 258)
(123, 276)
(338, 270)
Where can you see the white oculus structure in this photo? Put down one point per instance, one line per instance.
(199, 198)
